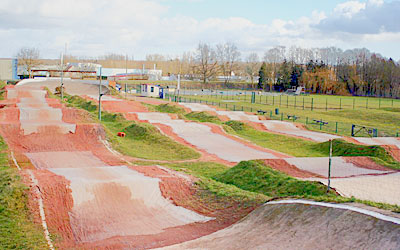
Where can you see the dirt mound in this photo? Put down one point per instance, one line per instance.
(302, 226)
(285, 167)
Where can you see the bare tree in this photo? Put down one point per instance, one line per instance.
(155, 58)
(207, 64)
(275, 56)
(28, 57)
(252, 66)
(228, 55)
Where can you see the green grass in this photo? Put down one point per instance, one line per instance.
(285, 144)
(202, 117)
(142, 140)
(17, 229)
(254, 176)
(303, 148)
(168, 108)
(386, 119)
(2, 85)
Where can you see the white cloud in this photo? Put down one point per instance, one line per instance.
(140, 27)
(348, 9)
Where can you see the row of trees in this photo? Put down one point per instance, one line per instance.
(366, 76)
(320, 70)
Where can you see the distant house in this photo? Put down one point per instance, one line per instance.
(8, 69)
(150, 90)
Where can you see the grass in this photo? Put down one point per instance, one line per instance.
(142, 140)
(303, 148)
(205, 172)
(285, 144)
(254, 176)
(386, 119)
(17, 229)
(168, 108)
(202, 117)
(2, 85)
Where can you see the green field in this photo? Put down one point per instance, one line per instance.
(386, 119)
(17, 229)
(142, 140)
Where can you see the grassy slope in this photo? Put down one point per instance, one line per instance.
(303, 148)
(256, 177)
(17, 230)
(386, 119)
(287, 144)
(142, 140)
(202, 117)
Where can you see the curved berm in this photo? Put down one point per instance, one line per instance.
(304, 225)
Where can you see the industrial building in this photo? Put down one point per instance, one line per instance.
(8, 69)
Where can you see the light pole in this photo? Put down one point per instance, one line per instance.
(62, 75)
(330, 164)
(100, 106)
(100, 95)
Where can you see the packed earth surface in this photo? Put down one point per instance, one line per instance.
(92, 197)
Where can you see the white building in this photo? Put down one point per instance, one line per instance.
(150, 90)
(8, 69)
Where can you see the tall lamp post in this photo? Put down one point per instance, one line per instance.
(62, 75)
(100, 95)
(330, 165)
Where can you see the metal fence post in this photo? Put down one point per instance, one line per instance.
(326, 106)
(287, 101)
(312, 104)
(336, 130)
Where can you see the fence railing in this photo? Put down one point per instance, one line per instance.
(312, 123)
(305, 102)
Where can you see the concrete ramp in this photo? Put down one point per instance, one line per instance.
(272, 125)
(379, 141)
(35, 114)
(112, 201)
(340, 167)
(290, 129)
(304, 225)
(382, 188)
(202, 137)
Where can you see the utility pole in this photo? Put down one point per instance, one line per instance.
(330, 165)
(100, 94)
(126, 72)
(62, 75)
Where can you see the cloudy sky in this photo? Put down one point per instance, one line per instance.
(139, 27)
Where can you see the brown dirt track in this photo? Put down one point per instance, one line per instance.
(81, 221)
(58, 198)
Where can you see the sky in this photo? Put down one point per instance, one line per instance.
(91, 28)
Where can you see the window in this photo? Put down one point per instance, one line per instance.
(152, 89)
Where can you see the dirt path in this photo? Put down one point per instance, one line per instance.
(271, 125)
(202, 137)
(90, 199)
(302, 226)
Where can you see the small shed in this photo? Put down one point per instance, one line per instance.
(150, 90)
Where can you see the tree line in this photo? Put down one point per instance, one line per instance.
(320, 70)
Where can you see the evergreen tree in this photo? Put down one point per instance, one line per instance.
(262, 80)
